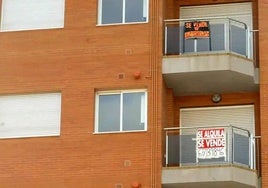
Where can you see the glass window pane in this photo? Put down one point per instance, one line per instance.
(241, 149)
(188, 45)
(136, 11)
(238, 40)
(133, 111)
(217, 37)
(173, 39)
(203, 45)
(109, 113)
(112, 11)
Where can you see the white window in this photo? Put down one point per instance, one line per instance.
(32, 14)
(120, 111)
(122, 11)
(30, 115)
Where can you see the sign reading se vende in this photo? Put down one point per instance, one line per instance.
(196, 29)
(211, 143)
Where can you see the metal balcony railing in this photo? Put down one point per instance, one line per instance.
(224, 35)
(217, 145)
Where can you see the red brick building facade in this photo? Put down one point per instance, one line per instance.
(88, 58)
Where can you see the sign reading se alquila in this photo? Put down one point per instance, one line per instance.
(211, 143)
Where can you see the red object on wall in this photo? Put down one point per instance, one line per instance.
(136, 185)
(137, 74)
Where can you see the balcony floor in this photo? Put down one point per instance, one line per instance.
(209, 73)
(209, 177)
(208, 185)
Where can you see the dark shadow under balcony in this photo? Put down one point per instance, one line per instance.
(221, 61)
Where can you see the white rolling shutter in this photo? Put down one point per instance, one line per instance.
(32, 14)
(30, 115)
(237, 11)
(239, 116)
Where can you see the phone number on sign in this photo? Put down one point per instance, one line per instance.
(211, 153)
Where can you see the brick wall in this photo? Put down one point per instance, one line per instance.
(263, 38)
(78, 60)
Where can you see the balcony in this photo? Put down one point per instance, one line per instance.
(218, 156)
(221, 60)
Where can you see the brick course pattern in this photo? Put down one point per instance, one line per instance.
(81, 59)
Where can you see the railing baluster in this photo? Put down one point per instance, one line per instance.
(166, 148)
(166, 43)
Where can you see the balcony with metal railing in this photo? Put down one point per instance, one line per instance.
(222, 156)
(196, 50)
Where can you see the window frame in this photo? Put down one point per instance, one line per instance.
(121, 93)
(145, 12)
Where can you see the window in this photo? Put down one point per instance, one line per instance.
(32, 14)
(120, 111)
(122, 11)
(30, 115)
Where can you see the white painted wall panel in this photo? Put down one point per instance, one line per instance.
(32, 14)
(30, 115)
